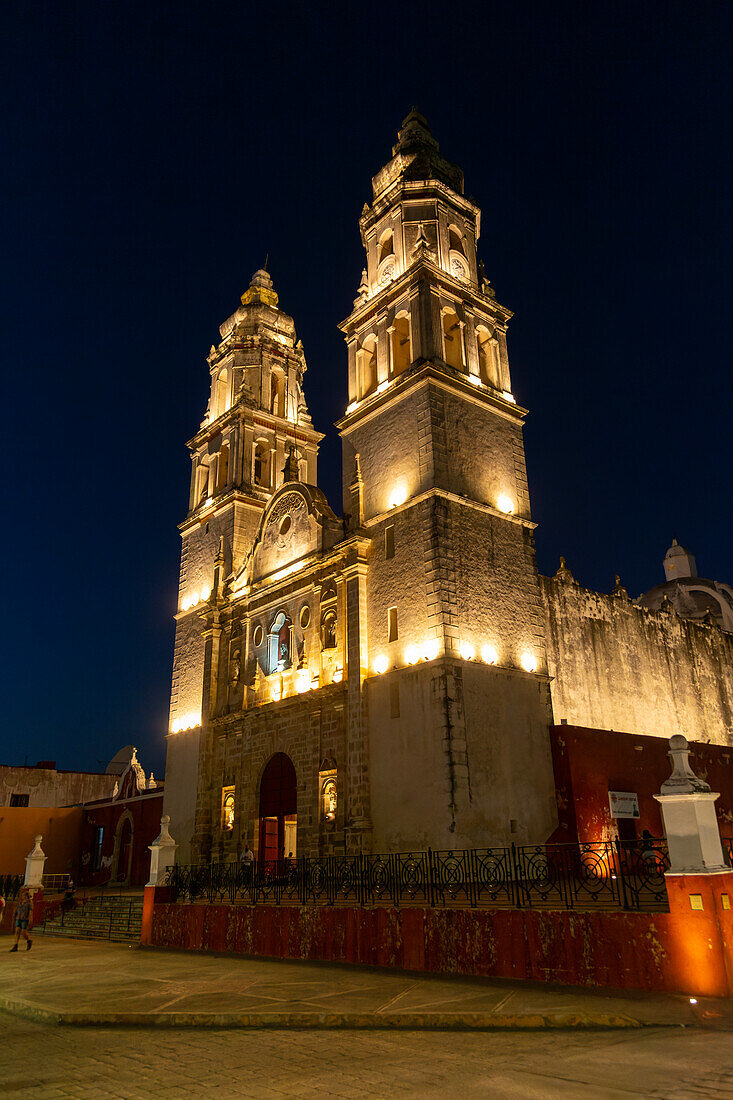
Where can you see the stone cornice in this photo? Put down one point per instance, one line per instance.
(415, 378)
(456, 498)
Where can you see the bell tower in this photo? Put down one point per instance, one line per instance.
(434, 471)
(255, 427)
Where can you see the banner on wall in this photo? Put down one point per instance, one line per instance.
(623, 804)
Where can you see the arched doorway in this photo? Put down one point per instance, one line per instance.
(123, 844)
(278, 809)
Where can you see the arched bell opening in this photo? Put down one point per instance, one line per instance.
(278, 809)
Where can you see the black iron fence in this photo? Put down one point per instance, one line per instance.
(606, 875)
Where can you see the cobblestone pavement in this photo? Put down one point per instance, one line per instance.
(47, 1060)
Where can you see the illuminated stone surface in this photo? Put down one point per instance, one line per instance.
(408, 645)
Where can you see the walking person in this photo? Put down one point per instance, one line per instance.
(23, 919)
(69, 902)
(246, 860)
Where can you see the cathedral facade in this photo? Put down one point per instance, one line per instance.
(374, 679)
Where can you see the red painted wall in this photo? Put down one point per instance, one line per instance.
(677, 952)
(588, 763)
(146, 813)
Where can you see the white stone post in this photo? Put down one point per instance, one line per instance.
(688, 815)
(162, 853)
(34, 864)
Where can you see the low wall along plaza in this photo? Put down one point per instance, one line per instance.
(688, 950)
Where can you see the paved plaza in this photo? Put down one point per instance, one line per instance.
(86, 982)
(372, 1034)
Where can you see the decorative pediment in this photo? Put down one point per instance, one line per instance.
(297, 522)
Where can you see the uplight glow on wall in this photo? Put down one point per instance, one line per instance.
(509, 397)
(412, 655)
(489, 655)
(302, 681)
(188, 722)
(398, 496)
(195, 598)
(505, 504)
(381, 664)
(529, 661)
(466, 651)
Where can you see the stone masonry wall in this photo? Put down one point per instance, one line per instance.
(621, 667)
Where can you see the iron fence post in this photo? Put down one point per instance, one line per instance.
(515, 877)
(621, 877)
(431, 878)
(565, 858)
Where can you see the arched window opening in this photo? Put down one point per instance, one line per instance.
(453, 340)
(278, 810)
(277, 394)
(487, 357)
(386, 246)
(221, 394)
(401, 344)
(261, 465)
(456, 241)
(280, 644)
(202, 481)
(367, 366)
(328, 630)
(457, 256)
(223, 469)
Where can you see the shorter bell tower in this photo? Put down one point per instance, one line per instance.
(256, 427)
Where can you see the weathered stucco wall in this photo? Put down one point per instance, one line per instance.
(49, 787)
(617, 666)
(462, 760)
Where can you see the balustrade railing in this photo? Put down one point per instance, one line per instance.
(614, 875)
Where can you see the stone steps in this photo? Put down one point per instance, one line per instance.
(115, 919)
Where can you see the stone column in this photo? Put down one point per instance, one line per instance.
(356, 788)
(34, 864)
(382, 350)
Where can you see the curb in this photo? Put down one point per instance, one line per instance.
(347, 1021)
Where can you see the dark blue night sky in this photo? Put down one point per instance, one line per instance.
(154, 153)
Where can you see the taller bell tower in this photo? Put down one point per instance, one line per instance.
(256, 423)
(434, 471)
